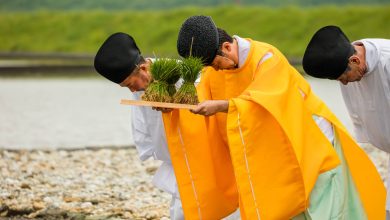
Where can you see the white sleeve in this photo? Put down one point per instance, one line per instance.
(326, 128)
(386, 68)
(141, 137)
(165, 179)
(265, 57)
(149, 138)
(148, 132)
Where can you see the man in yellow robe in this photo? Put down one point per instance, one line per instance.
(290, 156)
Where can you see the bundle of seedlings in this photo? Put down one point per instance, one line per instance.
(190, 69)
(165, 72)
(173, 80)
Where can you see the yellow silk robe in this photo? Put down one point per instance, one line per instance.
(267, 151)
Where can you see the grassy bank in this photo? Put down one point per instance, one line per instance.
(288, 28)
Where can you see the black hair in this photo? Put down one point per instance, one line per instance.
(223, 37)
(354, 51)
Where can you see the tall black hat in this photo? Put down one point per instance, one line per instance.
(327, 54)
(117, 57)
(198, 37)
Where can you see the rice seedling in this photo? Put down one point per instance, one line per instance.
(190, 70)
(165, 73)
(173, 80)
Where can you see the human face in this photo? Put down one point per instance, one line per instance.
(138, 81)
(355, 72)
(227, 59)
(222, 62)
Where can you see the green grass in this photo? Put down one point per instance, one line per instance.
(288, 28)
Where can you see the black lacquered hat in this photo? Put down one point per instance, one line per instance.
(198, 37)
(327, 53)
(117, 57)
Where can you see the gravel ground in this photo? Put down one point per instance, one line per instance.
(79, 184)
(89, 184)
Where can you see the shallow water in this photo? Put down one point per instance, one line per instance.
(63, 113)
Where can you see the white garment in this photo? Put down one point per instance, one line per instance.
(150, 141)
(243, 49)
(176, 210)
(233, 216)
(368, 100)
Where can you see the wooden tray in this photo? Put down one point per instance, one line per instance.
(157, 104)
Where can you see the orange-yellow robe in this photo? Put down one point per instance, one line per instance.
(267, 151)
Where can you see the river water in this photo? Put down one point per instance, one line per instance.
(63, 113)
(74, 113)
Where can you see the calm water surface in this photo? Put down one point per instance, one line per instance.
(66, 113)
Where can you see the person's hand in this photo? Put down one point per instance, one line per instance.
(210, 107)
(163, 110)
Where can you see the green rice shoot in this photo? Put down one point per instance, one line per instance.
(165, 72)
(173, 80)
(190, 70)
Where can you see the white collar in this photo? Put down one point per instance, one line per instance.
(243, 49)
(371, 56)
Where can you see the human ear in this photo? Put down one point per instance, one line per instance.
(226, 47)
(144, 72)
(143, 67)
(354, 59)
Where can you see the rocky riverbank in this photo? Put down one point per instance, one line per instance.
(89, 184)
(79, 184)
